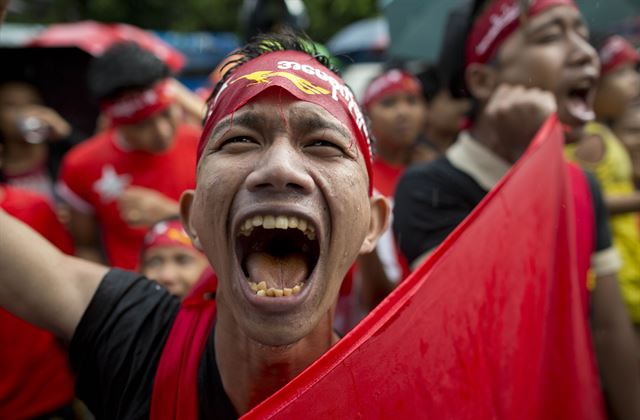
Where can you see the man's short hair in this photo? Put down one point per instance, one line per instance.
(124, 67)
(266, 43)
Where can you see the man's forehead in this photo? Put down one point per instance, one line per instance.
(289, 110)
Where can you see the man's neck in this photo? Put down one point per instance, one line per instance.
(251, 372)
(439, 139)
(483, 132)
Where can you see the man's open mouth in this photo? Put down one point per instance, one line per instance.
(579, 100)
(277, 253)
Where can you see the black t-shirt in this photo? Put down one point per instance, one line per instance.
(117, 346)
(433, 198)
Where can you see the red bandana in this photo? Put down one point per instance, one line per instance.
(615, 52)
(497, 23)
(168, 233)
(131, 109)
(303, 77)
(388, 83)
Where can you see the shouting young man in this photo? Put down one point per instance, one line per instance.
(282, 208)
(520, 66)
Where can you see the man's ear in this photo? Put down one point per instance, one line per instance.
(481, 80)
(379, 218)
(186, 202)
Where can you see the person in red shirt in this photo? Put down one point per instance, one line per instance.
(131, 175)
(36, 379)
(395, 106)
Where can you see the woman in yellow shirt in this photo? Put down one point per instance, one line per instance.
(601, 152)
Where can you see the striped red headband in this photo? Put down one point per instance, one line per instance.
(300, 75)
(497, 23)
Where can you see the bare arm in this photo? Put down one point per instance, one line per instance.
(41, 284)
(617, 204)
(615, 349)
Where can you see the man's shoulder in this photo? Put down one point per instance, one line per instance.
(439, 174)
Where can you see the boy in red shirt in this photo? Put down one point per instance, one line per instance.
(131, 175)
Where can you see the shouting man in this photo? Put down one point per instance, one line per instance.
(282, 208)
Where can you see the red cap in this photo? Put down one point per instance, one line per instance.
(390, 82)
(615, 52)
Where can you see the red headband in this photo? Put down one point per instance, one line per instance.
(393, 81)
(131, 109)
(497, 23)
(167, 233)
(615, 52)
(303, 77)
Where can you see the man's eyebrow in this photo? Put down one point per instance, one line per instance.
(578, 21)
(317, 122)
(247, 119)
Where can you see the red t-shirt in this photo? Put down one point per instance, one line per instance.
(35, 377)
(97, 171)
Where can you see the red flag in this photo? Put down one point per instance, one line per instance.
(491, 326)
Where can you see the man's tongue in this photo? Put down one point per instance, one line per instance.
(579, 109)
(277, 271)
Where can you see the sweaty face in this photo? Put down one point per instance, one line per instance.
(281, 210)
(154, 134)
(13, 97)
(552, 53)
(397, 119)
(616, 91)
(175, 267)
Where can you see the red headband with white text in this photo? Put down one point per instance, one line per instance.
(134, 108)
(301, 76)
(615, 52)
(390, 82)
(497, 23)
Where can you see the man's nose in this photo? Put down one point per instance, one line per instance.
(281, 168)
(582, 52)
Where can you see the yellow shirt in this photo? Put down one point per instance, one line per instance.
(614, 173)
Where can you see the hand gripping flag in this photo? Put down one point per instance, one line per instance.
(492, 326)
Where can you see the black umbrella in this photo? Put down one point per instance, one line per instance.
(60, 75)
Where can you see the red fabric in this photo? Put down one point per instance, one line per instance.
(35, 376)
(131, 109)
(584, 226)
(300, 75)
(95, 173)
(386, 177)
(497, 23)
(491, 326)
(615, 52)
(167, 233)
(389, 83)
(175, 388)
(95, 38)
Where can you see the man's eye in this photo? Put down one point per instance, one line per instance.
(548, 37)
(238, 143)
(325, 148)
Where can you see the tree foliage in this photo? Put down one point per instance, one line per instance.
(326, 16)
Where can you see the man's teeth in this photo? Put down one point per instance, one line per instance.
(261, 289)
(278, 222)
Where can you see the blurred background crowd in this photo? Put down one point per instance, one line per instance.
(134, 77)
